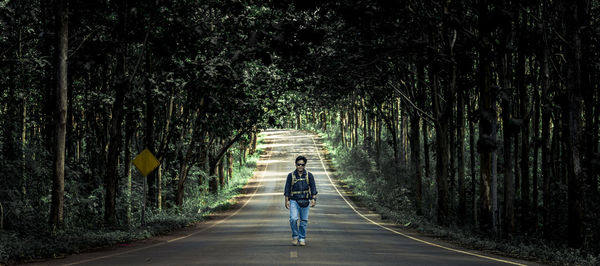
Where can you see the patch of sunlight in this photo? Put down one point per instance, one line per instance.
(273, 161)
(272, 173)
(274, 145)
(274, 179)
(286, 137)
(271, 132)
(316, 172)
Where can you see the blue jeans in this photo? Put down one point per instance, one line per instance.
(295, 213)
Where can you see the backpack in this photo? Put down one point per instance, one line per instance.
(301, 202)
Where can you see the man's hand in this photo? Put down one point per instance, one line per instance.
(313, 203)
(287, 204)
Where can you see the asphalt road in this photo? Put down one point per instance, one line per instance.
(258, 233)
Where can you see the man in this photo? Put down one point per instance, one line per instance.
(300, 188)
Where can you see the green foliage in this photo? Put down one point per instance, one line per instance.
(24, 181)
(193, 81)
(84, 224)
(371, 184)
(199, 73)
(385, 191)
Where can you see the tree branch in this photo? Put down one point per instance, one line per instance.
(425, 114)
(215, 160)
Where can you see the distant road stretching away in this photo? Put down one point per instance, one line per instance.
(258, 233)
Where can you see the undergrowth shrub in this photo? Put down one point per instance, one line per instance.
(386, 187)
(29, 236)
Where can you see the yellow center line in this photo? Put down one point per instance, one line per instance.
(400, 233)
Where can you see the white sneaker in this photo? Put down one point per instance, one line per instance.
(302, 243)
(295, 242)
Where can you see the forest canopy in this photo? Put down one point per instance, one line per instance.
(487, 110)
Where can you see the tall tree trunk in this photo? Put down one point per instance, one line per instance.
(332, 117)
(366, 124)
(183, 173)
(589, 87)
(378, 140)
(254, 141)
(298, 120)
(573, 115)
(152, 196)
(114, 148)
(416, 158)
(524, 111)
(129, 133)
(441, 129)
(536, 147)
(22, 116)
(342, 128)
(558, 183)
(222, 172)
(58, 184)
(509, 188)
(203, 154)
(213, 181)
(451, 161)
(393, 127)
(472, 166)
(426, 155)
(403, 138)
(115, 141)
(351, 119)
(546, 141)
(486, 144)
(159, 199)
(506, 94)
(516, 155)
(229, 166)
(415, 138)
(356, 124)
(22, 147)
(422, 104)
(460, 125)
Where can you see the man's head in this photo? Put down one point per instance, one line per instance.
(300, 163)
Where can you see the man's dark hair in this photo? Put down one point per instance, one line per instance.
(301, 158)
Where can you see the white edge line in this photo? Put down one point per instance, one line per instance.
(186, 236)
(400, 233)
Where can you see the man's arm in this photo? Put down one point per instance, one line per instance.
(313, 186)
(313, 190)
(286, 191)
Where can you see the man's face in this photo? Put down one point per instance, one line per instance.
(300, 164)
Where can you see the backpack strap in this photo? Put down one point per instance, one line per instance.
(308, 183)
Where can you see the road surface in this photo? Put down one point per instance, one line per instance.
(258, 233)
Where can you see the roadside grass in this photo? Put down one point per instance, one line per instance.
(41, 244)
(372, 187)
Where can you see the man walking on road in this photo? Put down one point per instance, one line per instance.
(300, 191)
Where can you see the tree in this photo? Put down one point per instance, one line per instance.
(58, 187)
(572, 109)
(486, 144)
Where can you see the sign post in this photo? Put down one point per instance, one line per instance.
(145, 162)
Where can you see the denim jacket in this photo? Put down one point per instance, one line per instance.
(300, 186)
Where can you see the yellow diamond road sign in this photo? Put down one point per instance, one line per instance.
(145, 162)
